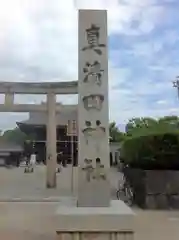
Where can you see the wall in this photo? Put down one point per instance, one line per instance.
(154, 189)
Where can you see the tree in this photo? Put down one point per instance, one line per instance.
(115, 134)
(170, 120)
(159, 151)
(152, 143)
(16, 136)
(13, 136)
(136, 125)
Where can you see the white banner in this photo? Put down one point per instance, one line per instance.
(72, 128)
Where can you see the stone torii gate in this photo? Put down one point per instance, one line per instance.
(50, 89)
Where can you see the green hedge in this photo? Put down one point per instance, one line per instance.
(152, 150)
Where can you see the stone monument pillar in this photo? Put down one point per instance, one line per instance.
(93, 113)
(93, 215)
(51, 155)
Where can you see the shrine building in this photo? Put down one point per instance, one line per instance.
(67, 139)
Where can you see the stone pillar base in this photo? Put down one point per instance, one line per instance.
(100, 223)
(95, 235)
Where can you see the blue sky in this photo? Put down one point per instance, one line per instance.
(38, 42)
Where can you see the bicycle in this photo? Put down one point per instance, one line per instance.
(125, 192)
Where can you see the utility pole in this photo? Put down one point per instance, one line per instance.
(72, 131)
(176, 84)
(72, 162)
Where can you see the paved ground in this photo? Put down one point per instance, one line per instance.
(15, 184)
(35, 221)
(27, 221)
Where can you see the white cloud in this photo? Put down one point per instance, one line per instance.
(147, 49)
(161, 102)
(144, 3)
(95, 4)
(38, 42)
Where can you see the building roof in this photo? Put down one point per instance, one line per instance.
(40, 118)
(10, 147)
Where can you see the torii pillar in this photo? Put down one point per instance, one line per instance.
(51, 153)
(51, 89)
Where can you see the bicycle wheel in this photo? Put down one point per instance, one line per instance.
(120, 195)
(129, 196)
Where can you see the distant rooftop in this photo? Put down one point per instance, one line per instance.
(40, 118)
(10, 147)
